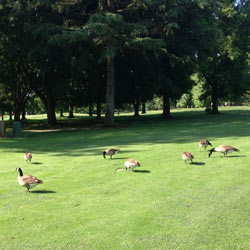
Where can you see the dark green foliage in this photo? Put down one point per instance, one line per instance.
(82, 53)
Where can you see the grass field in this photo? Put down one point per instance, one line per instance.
(85, 204)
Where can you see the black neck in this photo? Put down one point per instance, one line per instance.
(211, 151)
(20, 172)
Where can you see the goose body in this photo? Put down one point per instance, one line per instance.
(224, 149)
(130, 164)
(204, 143)
(27, 181)
(27, 157)
(110, 152)
(187, 156)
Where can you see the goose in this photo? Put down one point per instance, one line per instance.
(110, 152)
(224, 149)
(27, 157)
(27, 181)
(187, 156)
(204, 144)
(130, 164)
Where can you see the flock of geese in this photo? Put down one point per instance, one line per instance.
(224, 149)
(29, 181)
(129, 164)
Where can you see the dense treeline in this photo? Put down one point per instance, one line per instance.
(108, 54)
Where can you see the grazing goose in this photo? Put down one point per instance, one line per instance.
(110, 152)
(224, 149)
(27, 181)
(204, 144)
(130, 164)
(187, 156)
(27, 157)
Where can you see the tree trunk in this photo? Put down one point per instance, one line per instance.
(24, 114)
(17, 93)
(98, 110)
(49, 102)
(71, 109)
(136, 108)
(10, 115)
(110, 92)
(214, 99)
(51, 112)
(50, 105)
(166, 106)
(17, 111)
(61, 113)
(143, 108)
(90, 109)
(2, 115)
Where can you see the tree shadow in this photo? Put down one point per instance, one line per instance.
(198, 163)
(152, 131)
(141, 171)
(43, 192)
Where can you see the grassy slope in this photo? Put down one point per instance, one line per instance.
(85, 204)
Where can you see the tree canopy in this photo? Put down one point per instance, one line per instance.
(111, 53)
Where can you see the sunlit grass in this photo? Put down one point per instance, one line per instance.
(85, 204)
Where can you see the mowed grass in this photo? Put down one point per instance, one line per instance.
(85, 204)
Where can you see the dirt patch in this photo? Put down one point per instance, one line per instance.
(51, 130)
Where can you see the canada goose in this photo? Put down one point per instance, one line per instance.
(204, 144)
(225, 149)
(27, 181)
(187, 156)
(110, 152)
(130, 164)
(27, 157)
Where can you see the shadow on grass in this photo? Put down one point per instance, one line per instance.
(37, 163)
(229, 156)
(127, 151)
(232, 156)
(198, 163)
(119, 158)
(43, 192)
(142, 171)
(187, 126)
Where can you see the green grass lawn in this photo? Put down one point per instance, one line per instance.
(85, 204)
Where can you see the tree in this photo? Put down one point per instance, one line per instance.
(135, 79)
(182, 26)
(13, 49)
(223, 62)
(112, 32)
